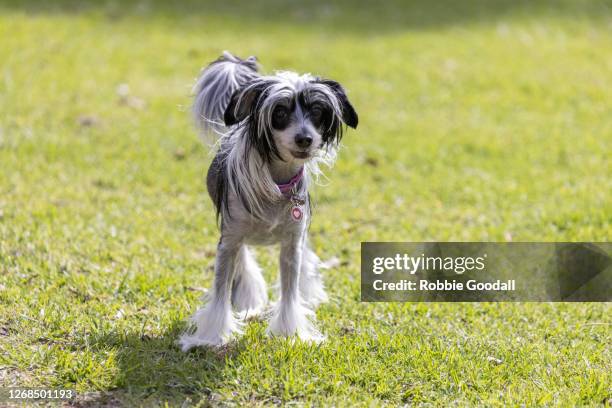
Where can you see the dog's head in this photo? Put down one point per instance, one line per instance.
(291, 117)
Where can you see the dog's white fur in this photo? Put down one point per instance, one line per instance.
(253, 156)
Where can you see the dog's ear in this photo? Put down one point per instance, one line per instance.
(241, 103)
(349, 116)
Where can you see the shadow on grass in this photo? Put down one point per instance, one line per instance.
(346, 15)
(155, 369)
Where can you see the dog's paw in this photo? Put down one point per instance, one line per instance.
(310, 335)
(186, 342)
(294, 320)
(214, 325)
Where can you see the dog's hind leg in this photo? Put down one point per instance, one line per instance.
(249, 294)
(311, 283)
(215, 323)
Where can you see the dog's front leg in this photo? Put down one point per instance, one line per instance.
(215, 322)
(291, 316)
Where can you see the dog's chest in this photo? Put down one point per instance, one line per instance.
(278, 225)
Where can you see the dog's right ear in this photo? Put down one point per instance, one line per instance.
(242, 103)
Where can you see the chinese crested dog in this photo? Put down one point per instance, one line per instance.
(273, 132)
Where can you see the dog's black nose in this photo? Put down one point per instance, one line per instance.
(302, 140)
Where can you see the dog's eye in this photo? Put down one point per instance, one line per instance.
(316, 112)
(280, 113)
(280, 117)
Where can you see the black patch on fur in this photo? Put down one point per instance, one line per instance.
(216, 182)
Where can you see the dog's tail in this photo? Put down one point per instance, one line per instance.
(215, 87)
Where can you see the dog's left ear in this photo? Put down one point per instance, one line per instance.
(349, 116)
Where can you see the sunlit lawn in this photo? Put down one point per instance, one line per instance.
(488, 121)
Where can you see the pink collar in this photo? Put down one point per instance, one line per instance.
(286, 189)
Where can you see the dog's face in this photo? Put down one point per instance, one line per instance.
(291, 117)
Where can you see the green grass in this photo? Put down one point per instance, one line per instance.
(488, 121)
